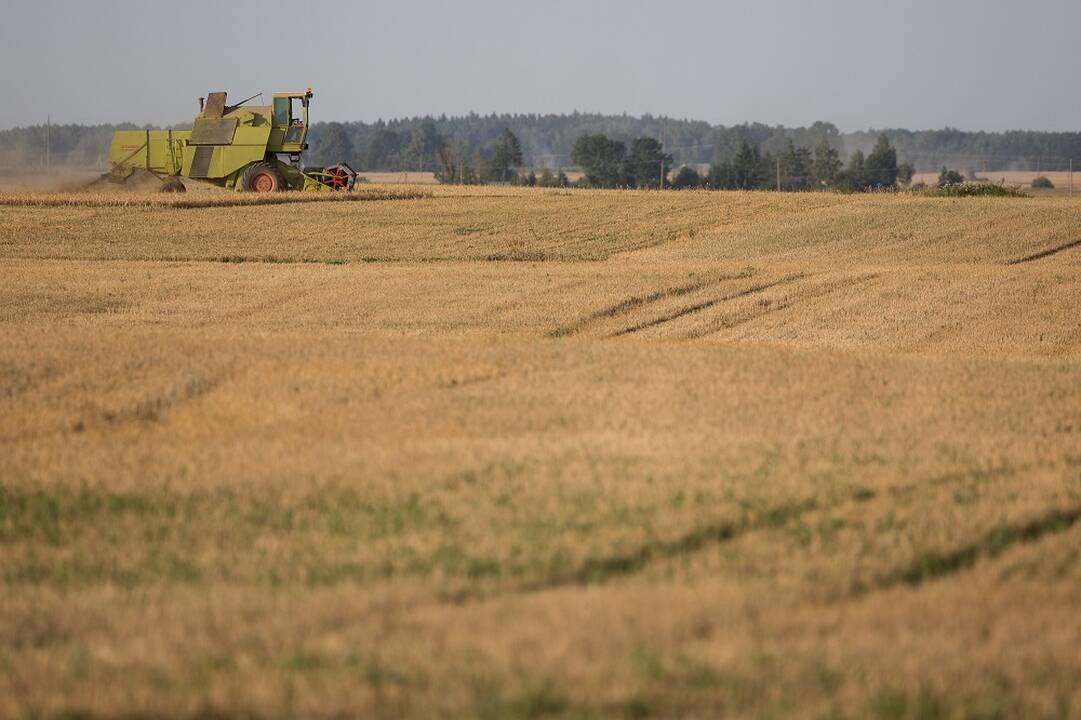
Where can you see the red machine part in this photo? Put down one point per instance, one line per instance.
(338, 176)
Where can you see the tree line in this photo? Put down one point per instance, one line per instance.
(609, 163)
(643, 163)
(548, 141)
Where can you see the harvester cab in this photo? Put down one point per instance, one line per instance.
(291, 120)
(235, 146)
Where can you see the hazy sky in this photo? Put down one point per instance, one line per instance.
(973, 64)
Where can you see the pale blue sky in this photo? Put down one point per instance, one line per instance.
(990, 64)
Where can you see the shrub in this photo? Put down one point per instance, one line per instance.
(905, 173)
(949, 177)
(687, 177)
(524, 179)
(1042, 182)
(964, 189)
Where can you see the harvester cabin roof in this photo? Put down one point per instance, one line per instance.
(298, 93)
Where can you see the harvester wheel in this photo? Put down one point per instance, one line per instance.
(173, 185)
(263, 177)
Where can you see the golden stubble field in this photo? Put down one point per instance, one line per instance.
(533, 453)
(1065, 183)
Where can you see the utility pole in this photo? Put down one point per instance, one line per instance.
(48, 139)
(1071, 177)
(662, 157)
(778, 173)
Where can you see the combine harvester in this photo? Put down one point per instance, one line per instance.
(233, 146)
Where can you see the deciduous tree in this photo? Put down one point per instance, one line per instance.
(686, 178)
(601, 159)
(647, 163)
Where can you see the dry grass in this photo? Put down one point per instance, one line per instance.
(401, 178)
(183, 201)
(1019, 178)
(450, 223)
(511, 453)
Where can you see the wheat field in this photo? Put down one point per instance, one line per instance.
(493, 452)
(1065, 183)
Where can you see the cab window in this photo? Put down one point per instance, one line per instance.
(281, 112)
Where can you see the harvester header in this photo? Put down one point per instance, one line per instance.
(253, 148)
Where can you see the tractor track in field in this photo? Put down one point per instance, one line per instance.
(253, 310)
(935, 565)
(188, 388)
(639, 301)
(822, 290)
(925, 567)
(705, 304)
(1044, 253)
(599, 570)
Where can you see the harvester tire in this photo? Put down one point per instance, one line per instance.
(173, 185)
(263, 177)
